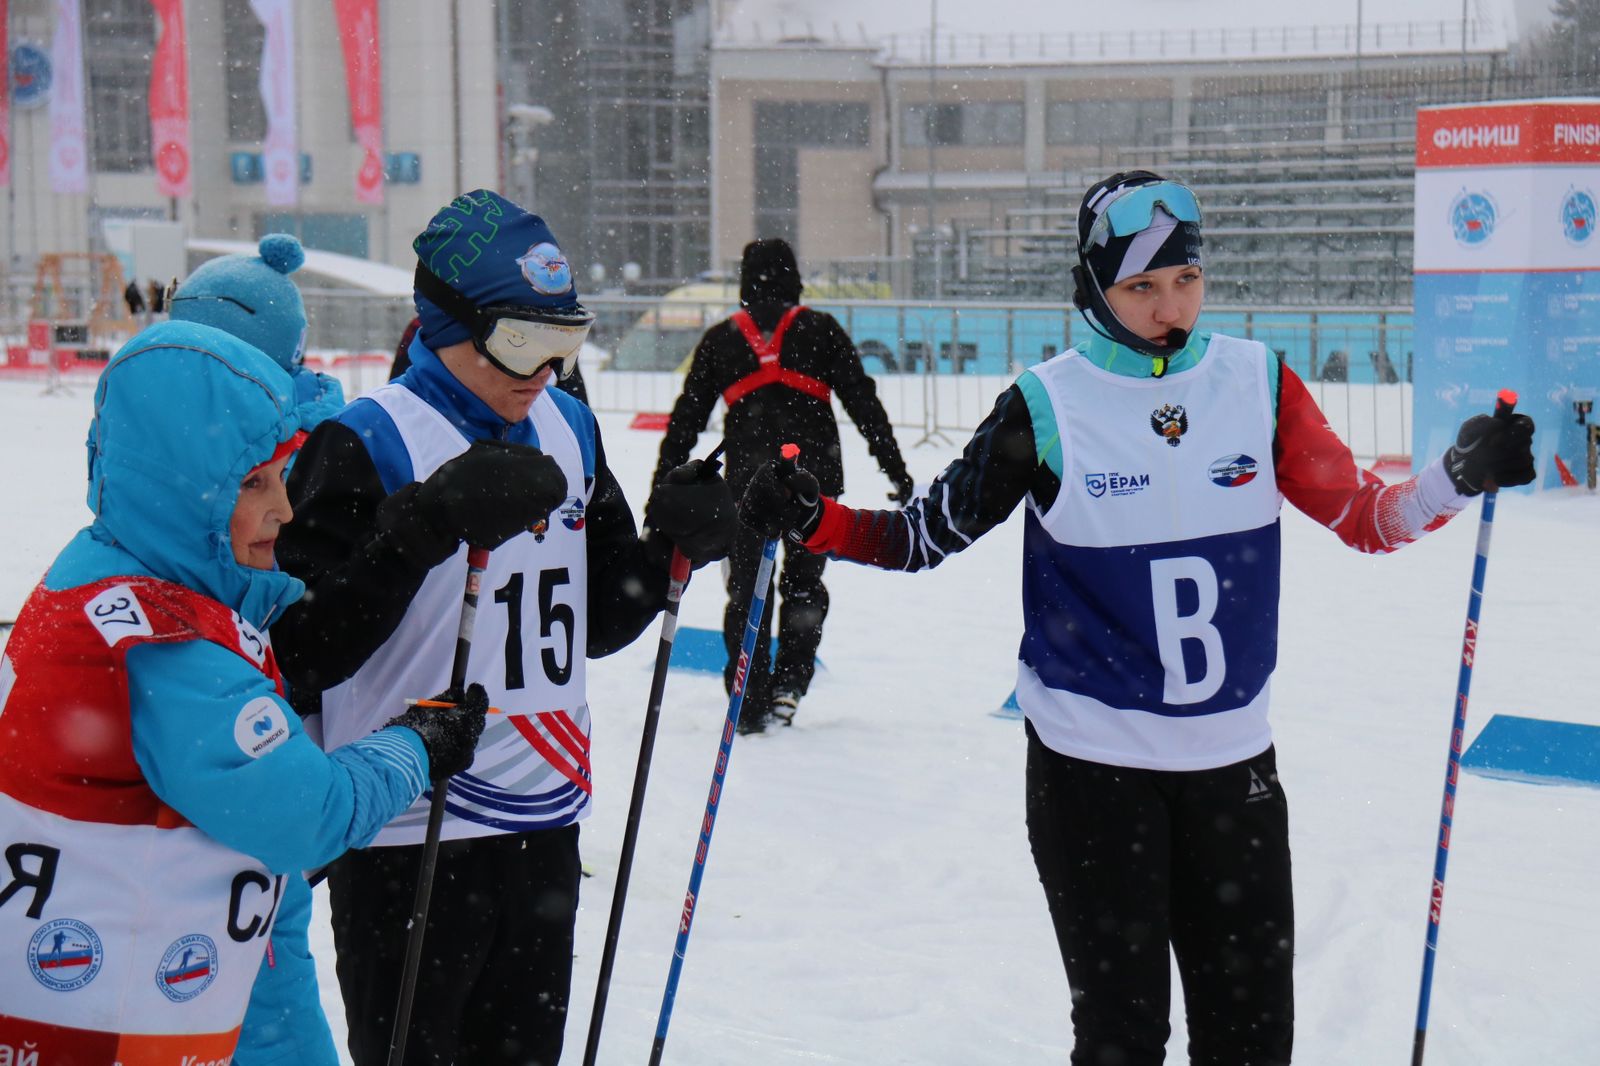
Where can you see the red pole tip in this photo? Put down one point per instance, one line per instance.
(1507, 397)
(790, 451)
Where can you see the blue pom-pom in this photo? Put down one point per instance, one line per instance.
(282, 252)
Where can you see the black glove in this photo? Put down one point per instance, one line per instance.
(484, 496)
(905, 490)
(782, 499)
(1491, 453)
(693, 508)
(449, 733)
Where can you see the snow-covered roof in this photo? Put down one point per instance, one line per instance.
(1001, 31)
(380, 278)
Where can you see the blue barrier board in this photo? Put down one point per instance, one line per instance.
(701, 650)
(1009, 709)
(1537, 751)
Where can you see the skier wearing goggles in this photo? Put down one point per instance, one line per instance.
(519, 339)
(470, 446)
(1154, 459)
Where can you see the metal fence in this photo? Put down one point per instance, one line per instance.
(938, 366)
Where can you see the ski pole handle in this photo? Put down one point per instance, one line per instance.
(1505, 403)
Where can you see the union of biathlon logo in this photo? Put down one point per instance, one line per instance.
(1472, 217)
(1578, 215)
(64, 954)
(572, 513)
(188, 967)
(546, 269)
(1170, 422)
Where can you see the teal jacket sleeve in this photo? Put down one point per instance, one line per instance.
(285, 1025)
(219, 746)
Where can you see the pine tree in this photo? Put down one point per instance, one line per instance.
(1575, 34)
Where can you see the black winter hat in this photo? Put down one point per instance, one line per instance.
(768, 273)
(1111, 261)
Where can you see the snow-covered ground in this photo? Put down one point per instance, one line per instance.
(869, 896)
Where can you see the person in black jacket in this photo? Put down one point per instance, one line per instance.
(776, 364)
(472, 446)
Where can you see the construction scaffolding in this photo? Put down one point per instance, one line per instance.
(621, 171)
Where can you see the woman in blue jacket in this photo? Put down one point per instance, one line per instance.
(156, 791)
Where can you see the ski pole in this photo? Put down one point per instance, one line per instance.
(678, 577)
(477, 561)
(747, 651)
(1505, 403)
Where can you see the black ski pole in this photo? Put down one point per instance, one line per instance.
(477, 561)
(677, 579)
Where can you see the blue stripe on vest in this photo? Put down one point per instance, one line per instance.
(382, 440)
(1091, 619)
(476, 790)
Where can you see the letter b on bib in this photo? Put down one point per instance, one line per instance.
(1172, 629)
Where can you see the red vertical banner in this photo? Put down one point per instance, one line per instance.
(358, 32)
(5, 96)
(169, 102)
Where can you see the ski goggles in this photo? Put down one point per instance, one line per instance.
(517, 339)
(1132, 209)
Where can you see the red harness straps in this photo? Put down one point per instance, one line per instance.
(770, 371)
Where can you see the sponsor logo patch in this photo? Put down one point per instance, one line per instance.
(64, 954)
(1115, 484)
(572, 513)
(188, 967)
(1231, 471)
(1170, 422)
(260, 727)
(546, 269)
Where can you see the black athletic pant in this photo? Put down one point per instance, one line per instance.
(1131, 860)
(805, 605)
(496, 959)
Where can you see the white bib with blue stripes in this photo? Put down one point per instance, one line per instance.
(528, 650)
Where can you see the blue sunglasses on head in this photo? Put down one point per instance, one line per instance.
(1134, 209)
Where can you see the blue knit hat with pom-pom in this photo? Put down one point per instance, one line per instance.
(251, 297)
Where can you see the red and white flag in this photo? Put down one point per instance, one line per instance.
(169, 102)
(358, 30)
(5, 97)
(69, 148)
(280, 155)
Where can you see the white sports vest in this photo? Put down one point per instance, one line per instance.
(1150, 586)
(127, 935)
(528, 646)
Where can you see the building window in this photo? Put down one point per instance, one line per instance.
(1113, 122)
(119, 39)
(782, 129)
(977, 124)
(241, 56)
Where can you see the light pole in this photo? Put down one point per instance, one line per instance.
(521, 122)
